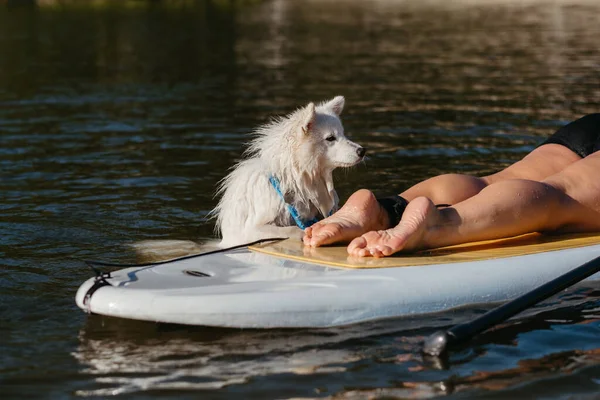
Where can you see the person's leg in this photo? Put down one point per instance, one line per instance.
(542, 162)
(362, 213)
(568, 201)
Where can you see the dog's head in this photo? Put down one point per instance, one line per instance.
(320, 136)
(303, 148)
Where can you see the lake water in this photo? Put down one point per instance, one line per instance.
(117, 119)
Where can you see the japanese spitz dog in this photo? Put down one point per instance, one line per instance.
(283, 184)
(286, 182)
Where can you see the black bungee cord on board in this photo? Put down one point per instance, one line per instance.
(102, 276)
(393, 205)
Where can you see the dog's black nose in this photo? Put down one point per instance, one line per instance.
(361, 151)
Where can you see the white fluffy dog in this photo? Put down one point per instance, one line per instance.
(285, 183)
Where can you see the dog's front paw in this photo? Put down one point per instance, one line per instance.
(296, 233)
(291, 232)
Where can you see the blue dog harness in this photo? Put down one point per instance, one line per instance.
(291, 209)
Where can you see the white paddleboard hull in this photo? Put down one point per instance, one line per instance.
(252, 290)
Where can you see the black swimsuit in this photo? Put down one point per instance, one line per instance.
(581, 136)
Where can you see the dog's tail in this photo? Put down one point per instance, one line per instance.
(158, 250)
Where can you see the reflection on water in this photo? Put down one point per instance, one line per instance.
(117, 119)
(375, 359)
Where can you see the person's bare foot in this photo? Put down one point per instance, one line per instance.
(361, 213)
(410, 234)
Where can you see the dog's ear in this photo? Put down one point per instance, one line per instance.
(307, 118)
(336, 104)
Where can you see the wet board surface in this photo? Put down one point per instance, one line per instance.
(337, 256)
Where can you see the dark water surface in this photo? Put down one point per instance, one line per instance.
(117, 119)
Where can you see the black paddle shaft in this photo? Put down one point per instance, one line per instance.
(439, 343)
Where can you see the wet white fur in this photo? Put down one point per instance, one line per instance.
(294, 149)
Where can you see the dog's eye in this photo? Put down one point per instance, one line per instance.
(330, 138)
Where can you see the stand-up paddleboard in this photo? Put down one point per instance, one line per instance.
(284, 284)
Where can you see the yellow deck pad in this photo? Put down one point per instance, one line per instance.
(337, 256)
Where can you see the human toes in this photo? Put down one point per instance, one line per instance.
(313, 231)
(363, 246)
(370, 252)
(307, 235)
(356, 246)
(328, 234)
(376, 244)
